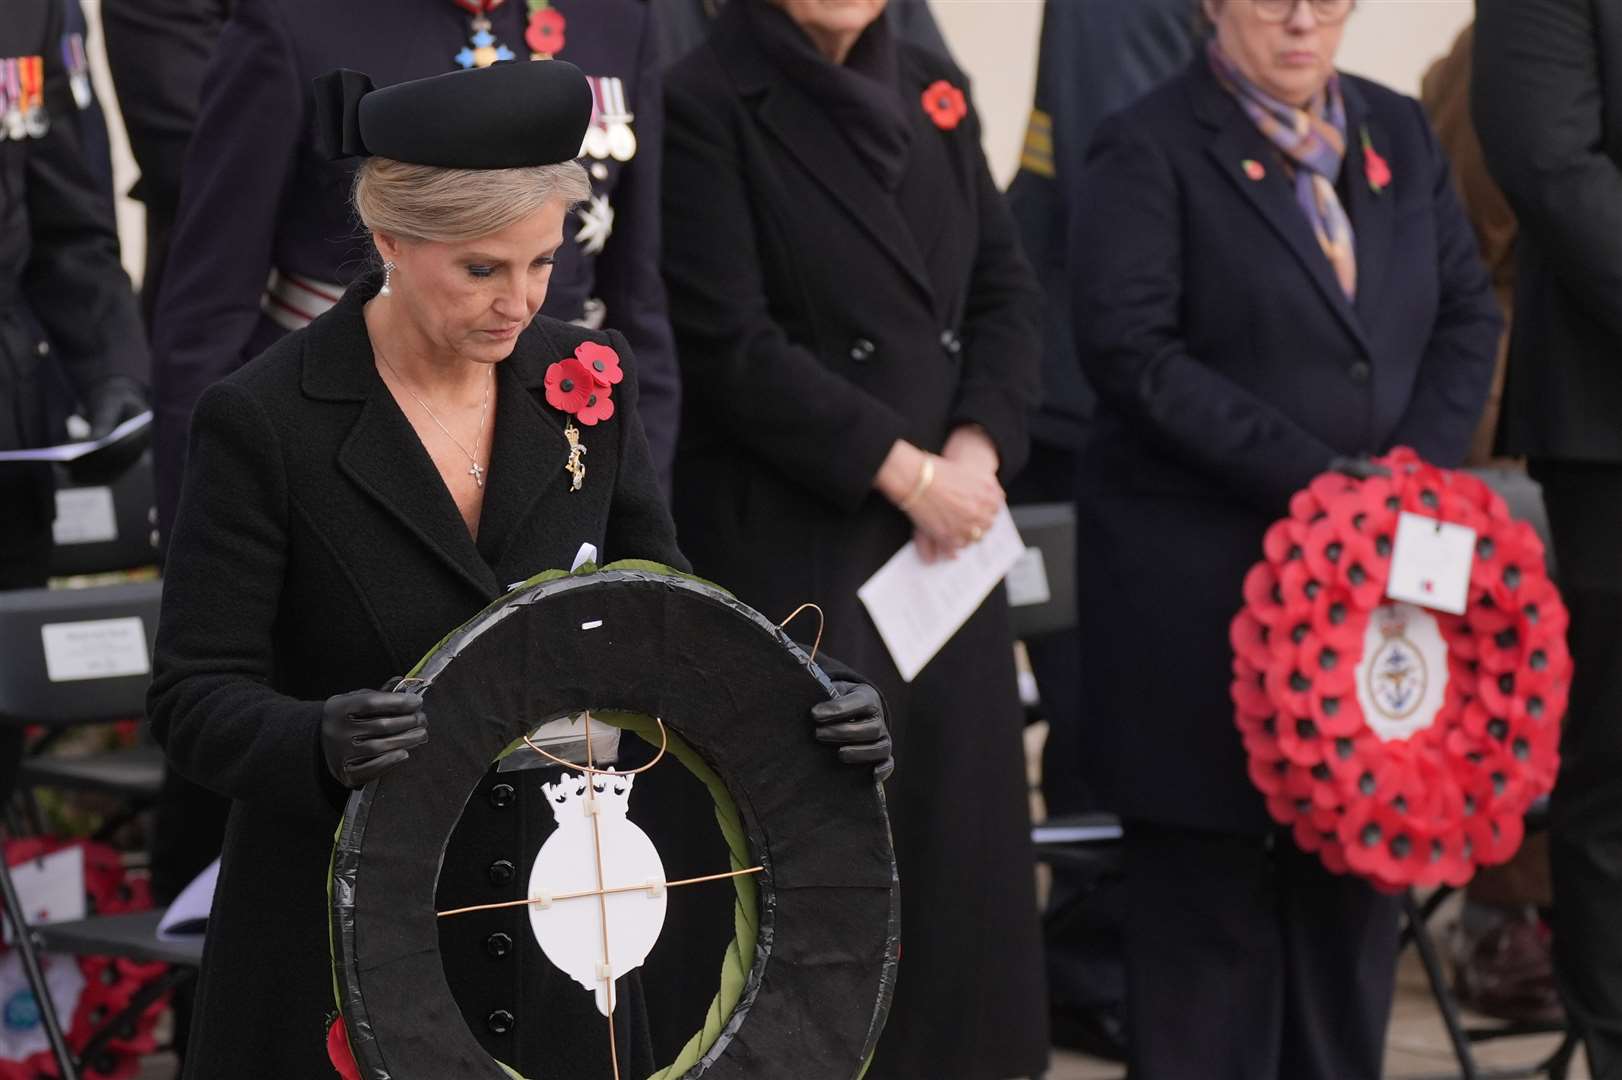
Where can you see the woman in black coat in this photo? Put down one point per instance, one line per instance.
(361, 489)
(1240, 344)
(849, 304)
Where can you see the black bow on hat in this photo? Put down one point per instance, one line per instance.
(506, 116)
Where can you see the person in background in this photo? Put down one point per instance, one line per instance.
(1280, 281)
(157, 51)
(1544, 100)
(60, 273)
(682, 25)
(859, 347)
(1096, 57)
(1503, 966)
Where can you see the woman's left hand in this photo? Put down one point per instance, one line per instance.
(970, 445)
(854, 721)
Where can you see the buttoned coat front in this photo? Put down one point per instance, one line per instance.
(820, 317)
(317, 551)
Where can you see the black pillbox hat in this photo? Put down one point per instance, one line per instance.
(506, 116)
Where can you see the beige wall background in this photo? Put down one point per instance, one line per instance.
(1392, 41)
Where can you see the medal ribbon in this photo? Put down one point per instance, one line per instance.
(33, 82)
(478, 7)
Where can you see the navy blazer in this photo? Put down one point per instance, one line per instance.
(1230, 368)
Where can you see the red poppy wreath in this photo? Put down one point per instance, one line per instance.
(1400, 742)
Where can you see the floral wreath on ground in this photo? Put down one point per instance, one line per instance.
(1358, 749)
(106, 986)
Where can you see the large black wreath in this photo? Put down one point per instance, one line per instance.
(734, 692)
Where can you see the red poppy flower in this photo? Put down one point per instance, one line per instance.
(339, 1053)
(598, 406)
(1379, 171)
(601, 361)
(568, 384)
(545, 32)
(945, 104)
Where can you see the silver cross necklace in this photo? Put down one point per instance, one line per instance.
(474, 469)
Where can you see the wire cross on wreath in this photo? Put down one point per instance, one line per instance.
(596, 795)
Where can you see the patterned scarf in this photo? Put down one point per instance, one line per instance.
(1313, 142)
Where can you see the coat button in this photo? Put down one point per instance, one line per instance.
(498, 945)
(862, 350)
(499, 1022)
(1360, 372)
(501, 796)
(502, 872)
(951, 343)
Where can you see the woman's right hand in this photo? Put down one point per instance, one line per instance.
(953, 511)
(365, 733)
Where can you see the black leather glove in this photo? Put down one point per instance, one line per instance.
(112, 401)
(365, 733)
(1358, 468)
(854, 721)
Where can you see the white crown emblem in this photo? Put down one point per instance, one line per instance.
(611, 794)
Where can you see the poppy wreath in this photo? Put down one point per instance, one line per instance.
(109, 986)
(1415, 798)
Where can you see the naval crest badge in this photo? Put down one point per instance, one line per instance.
(1402, 680)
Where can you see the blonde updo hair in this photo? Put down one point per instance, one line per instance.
(429, 202)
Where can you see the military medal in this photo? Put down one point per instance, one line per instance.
(11, 91)
(610, 134)
(482, 49)
(31, 75)
(73, 59)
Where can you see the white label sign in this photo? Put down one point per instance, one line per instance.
(84, 516)
(95, 649)
(50, 888)
(1430, 563)
(1028, 581)
(1402, 680)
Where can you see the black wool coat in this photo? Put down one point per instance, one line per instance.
(1547, 100)
(819, 318)
(1231, 368)
(317, 551)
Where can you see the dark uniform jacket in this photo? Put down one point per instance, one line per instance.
(1230, 368)
(58, 265)
(819, 318)
(259, 194)
(318, 551)
(1548, 107)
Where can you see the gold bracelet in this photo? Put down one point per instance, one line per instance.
(926, 476)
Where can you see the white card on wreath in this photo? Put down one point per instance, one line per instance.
(1430, 563)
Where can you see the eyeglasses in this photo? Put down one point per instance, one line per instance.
(1328, 12)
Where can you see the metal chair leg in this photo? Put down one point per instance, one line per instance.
(1439, 988)
(35, 975)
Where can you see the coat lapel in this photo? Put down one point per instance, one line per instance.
(1237, 141)
(382, 455)
(1373, 215)
(527, 455)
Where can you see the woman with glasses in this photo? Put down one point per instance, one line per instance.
(1272, 278)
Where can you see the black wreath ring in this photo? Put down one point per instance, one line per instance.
(736, 691)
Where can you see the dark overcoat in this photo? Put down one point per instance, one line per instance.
(259, 192)
(1231, 368)
(59, 270)
(819, 318)
(317, 551)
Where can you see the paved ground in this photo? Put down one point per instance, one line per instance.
(1417, 1048)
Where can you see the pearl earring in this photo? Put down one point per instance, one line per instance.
(388, 270)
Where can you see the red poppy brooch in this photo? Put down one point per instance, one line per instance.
(339, 1052)
(1399, 742)
(945, 104)
(582, 386)
(1375, 167)
(544, 35)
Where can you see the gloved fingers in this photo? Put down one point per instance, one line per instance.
(368, 703)
(372, 727)
(404, 740)
(865, 753)
(363, 772)
(855, 700)
(869, 730)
